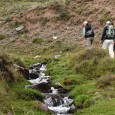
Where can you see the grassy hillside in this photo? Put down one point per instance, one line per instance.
(54, 28)
(44, 20)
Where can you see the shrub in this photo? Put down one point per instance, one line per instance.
(2, 36)
(95, 67)
(81, 9)
(90, 54)
(105, 80)
(37, 40)
(92, 63)
(69, 81)
(106, 15)
(88, 103)
(64, 15)
(15, 24)
(61, 9)
(57, 6)
(6, 70)
(43, 20)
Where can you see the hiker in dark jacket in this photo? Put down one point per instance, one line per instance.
(88, 34)
(108, 37)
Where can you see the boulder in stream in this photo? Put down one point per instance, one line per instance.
(43, 87)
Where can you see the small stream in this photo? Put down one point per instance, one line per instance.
(56, 97)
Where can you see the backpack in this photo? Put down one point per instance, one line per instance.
(110, 32)
(89, 31)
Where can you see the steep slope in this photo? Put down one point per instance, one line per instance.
(61, 19)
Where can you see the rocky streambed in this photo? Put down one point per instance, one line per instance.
(57, 97)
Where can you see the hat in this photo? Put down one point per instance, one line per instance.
(85, 22)
(108, 22)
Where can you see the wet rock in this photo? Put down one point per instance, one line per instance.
(33, 75)
(43, 87)
(60, 88)
(72, 109)
(53, 100)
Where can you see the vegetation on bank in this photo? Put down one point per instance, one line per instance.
(14, 98)
(89, 77)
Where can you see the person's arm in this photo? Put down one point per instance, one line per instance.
(104, 34)
(83, 32)
(114, 35)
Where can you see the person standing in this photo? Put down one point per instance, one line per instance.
(108, 37)
(88, 34)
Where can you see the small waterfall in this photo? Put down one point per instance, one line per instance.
(56, 97)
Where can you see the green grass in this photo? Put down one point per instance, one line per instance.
(80, 73)
(14, 97)
(105, 107)
(88, 92)
(22, 107)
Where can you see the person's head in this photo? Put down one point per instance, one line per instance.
(85, 23)
(108, 23)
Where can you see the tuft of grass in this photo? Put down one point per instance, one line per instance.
(84, 88)
(99, 108)
(26, 94)
(29, 94)
(6, 97)
(61, 9)
(57, 6)
(106, 15)
(22, 107)
(43, 21)
(15, 24)
(2, 36)
(81, 100)
(64, 15)
(105, 80)
(37, 40)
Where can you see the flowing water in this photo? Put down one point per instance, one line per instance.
(56, 98)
